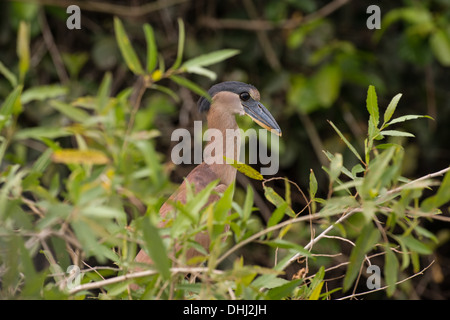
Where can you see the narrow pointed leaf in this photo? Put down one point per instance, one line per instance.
(366, 240)
(210, 58)
(152, 50)
(190, 85)
(349, 145)
(372, 105)
(244, 168)
(128, 53)
(441, 197)
(75, 156)
(181, 39)
(408, 117)
(155, 247)
(396, 133)
(391, 267)
(391, 108)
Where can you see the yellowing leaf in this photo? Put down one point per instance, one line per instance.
(316, 292)
(244, 168)
(74, 156)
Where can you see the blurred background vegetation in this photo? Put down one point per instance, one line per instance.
(311, 60)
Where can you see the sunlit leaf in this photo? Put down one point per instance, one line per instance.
(372, 105)
(41, 93)
(396, 133)
(23, 49)
(209, 58)
(244, 168)
(69, 156)
(391, 108)
(316, 292)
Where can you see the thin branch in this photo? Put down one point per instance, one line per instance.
(53, 49)
(110, 8)
(140, 274)
(409, 184)
(261, 25)
(385, 287)
(323, 234)
(263, 232)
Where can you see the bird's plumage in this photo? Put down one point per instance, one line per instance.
(228, 99)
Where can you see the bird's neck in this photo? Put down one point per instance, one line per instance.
(224, 141)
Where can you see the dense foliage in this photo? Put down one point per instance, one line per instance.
(86, 117)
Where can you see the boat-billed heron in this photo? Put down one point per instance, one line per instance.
(228, 99)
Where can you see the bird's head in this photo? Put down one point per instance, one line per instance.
(239, 98)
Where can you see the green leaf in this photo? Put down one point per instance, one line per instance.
(42, 93)
(167, 91)
(103, 92)
(190, 85)
(73, 113)
(42, 132)
(280, 243)
(103, 212)
(201, 198)
(372, 105)
(202, 72)
(327, 84)
(248, 203)
(365, 242)
(155, 246)
(277, 215)
(441, 197)
(7, 107)
(312, 184)
(284, 290)
(352, 149)
(11, 77)
(23, 49)
(391, 108)
(440, 46)
(277, 200)
(209, 58)
(415, 245)
(335, 167)
(128, 53)
(396, 133)
(374, 179)
(406, 118)
(152, 50)
(391, 267)
(181, 39)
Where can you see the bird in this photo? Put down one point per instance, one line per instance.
(227, 99)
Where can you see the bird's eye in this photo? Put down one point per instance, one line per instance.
(244, 96)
